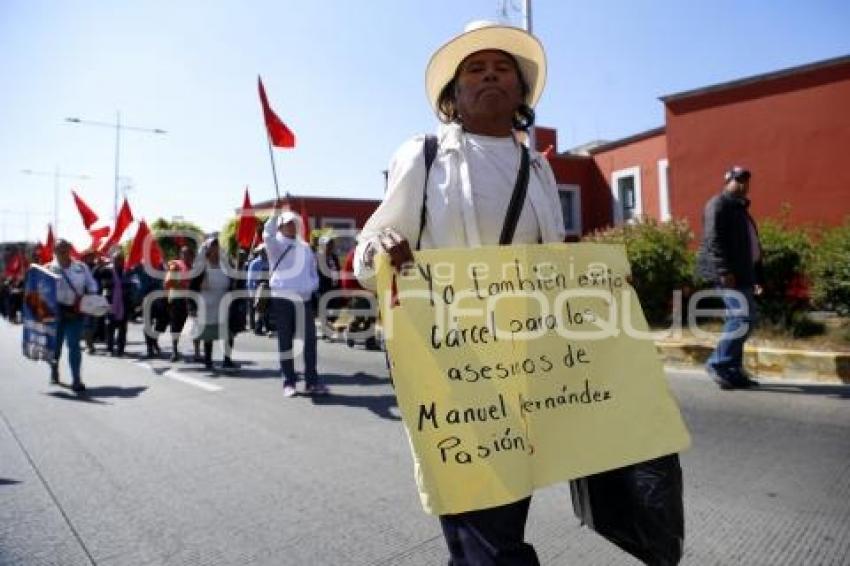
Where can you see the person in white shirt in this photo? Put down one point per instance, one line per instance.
(292, 281)
(482, 85)
(75, 280)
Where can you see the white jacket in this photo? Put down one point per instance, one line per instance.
(451, 220)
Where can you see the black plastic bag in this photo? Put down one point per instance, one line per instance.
(639, 508)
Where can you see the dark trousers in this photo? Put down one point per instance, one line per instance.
(489, 537)
(114, 327)
(288, 327)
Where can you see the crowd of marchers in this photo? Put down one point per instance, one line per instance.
(282, 287)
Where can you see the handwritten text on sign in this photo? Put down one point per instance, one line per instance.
(518, 367)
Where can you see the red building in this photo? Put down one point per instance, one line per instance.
(791, 128)
(341, 214)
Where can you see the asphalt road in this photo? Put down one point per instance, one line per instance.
(166, 464)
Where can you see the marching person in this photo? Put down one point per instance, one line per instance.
(292, 281)
(258, 284)
(730, 257)
(117, 287)
(176, 280)
(75, 281)
(156, 318)
(212, 283)
(482, 85)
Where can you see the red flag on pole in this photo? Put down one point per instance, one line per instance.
(137, 250)
(125, 218)
(247, 229)
(86, 213)
(46, 251)
(279, 134)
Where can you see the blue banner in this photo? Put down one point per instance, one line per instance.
(41, 313)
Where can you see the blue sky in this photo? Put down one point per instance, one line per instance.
(347, 77)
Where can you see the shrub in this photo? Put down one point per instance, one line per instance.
(661, 262)
(830, 269)
(786, 253)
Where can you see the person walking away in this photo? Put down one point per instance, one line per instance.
(482, 85)
(75, 280)
(730, 256)
(292, 281)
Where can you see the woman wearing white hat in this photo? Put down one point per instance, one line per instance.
(482, 85)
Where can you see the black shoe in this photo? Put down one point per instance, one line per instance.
(54, 375)
(723, 379)
(78, 387)
(229, 364)
(744, 379)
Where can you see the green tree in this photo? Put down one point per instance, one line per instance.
(171, 234)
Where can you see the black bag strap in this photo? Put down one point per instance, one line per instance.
(517, 200)
(429, 151)
(280, 259)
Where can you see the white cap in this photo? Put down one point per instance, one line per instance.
(286, 217)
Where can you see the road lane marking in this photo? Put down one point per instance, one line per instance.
(176, 375)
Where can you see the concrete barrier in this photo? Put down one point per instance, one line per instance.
(823, 367)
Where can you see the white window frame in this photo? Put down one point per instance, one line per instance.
(663, 191)
(576, 219)
(326, 221)
(617, 208)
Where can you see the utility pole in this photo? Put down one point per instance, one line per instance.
(56, 174)
(118, 126)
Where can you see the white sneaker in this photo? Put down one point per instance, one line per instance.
(289, 391)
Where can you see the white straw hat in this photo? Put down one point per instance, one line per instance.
(479, 36)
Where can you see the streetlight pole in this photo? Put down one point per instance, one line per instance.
(56, 174)
(118, 128)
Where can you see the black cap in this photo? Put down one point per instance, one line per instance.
(737, 173)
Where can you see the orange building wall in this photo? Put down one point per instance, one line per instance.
(792, 133)
(644, 153)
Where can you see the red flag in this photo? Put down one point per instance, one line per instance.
(46, 251)
(279, 134)
(14, 266)
(125, 218)
(137, 250)
(247, 229)
(86, 213)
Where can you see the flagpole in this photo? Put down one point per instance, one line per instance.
(274, 171)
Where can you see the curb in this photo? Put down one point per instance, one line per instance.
(822, 367)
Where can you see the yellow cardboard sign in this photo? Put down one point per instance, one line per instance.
(517, 367)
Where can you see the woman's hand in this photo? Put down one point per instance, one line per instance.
(397, 247)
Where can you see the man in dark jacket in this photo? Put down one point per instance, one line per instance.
(730, 257)
(117, 286)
